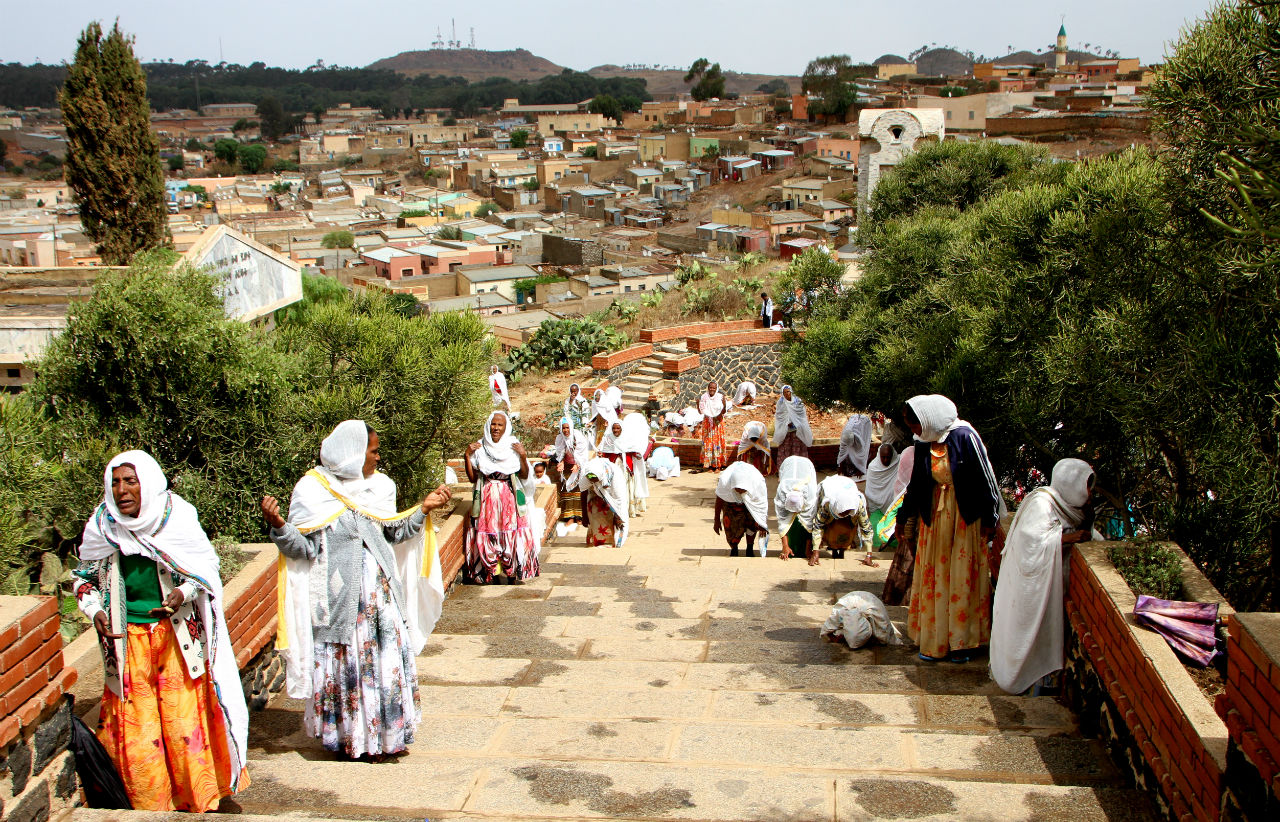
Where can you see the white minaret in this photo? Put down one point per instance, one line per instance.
(1060, 49)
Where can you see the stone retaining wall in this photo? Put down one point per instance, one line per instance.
(37, 773)
(1131, 691)
(728, 366)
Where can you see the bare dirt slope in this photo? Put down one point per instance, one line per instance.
(661, 83)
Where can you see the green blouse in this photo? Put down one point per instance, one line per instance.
(141, 588)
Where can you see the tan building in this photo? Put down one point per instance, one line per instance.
(549, 125)
(970, 113)
(435, 134)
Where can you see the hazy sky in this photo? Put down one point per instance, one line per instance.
(766, 36)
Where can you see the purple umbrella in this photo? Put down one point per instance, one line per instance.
(1188, 627)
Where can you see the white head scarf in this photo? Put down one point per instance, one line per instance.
(840, 495)
(788, 414)
(610, 442)
(167, 530)
(756, 498)
(635, 434)
(745, 388)
(610, 484)
(497, 457)
(579, 403)
(673, 418)
(575, 443)
(882, 481)
(709, 405)
(797, 494)
(602, 408)
(342, 453)
(342, 456)
(854, 441)
(1027, 622)
(757, 430)
(613, 398)
(692, 416)
(498, 383)
(937, 415)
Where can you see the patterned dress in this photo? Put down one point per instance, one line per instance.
(792, 446)
(600, 520)
(761, 461)
(365, 694)
(950, 606)
(713, 454)
(499, 540)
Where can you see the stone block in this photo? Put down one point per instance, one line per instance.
(51, 738)
(18, 764)
(67, 782)
(33, 806)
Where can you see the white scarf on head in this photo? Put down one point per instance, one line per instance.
(609, 443)
(577, 403)
(757, 430)
(855, 439)
(498, 384)
(744, 476)
(602, 408)
(575, 444)
(789, 413)
(840, 495)
(709, 405)
(611, 486)
(797, 494)
(882, 481)
(1027, 623)
(938, 418)
(635, 441)
(322, 495)
(613, 398)
(497, 457)
(167, 530)
(692, 416)
(745, 388)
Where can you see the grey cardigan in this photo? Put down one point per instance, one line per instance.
(337, 555)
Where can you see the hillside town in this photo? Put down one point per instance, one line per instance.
(464, 436)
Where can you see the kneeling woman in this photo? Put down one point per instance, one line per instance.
(173, 716)
(604, 499)
(841, 513)
(742, 506)
(498, 539)
(348, 621)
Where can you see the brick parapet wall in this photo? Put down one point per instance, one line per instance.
(607, 361)
(1128, 686)
(37, 774)
(680, 332)
(676, 366)
(722, 339)
(1250, 706)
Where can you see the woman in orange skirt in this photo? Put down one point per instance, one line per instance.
(173, 714)
(712, 406)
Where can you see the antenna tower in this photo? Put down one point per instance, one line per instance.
(473, 38)
(453, 43)
(438, 43)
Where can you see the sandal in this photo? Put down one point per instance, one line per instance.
(928, 658)
(868, 561)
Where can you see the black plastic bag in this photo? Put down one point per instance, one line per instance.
(103, 787)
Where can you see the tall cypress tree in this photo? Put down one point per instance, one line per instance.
(113, 163)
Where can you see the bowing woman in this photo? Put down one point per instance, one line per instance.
(498, 539)
(954, 496)
(742, 506)
(712, 406)
(173, 715)
(791, 433)
(753, 448)
(841, 513)
(603, 414)
(353, 616)
(794, 505)
(604, 499)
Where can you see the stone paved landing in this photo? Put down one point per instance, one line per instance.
(667, 680)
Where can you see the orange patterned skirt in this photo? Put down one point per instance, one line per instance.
(167, 737)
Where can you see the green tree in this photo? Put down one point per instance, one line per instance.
(449, 232)
(113, 163)
(338, 239)
(240, 125)
(251, 156)
(317, 113)
(273, 119)
(831, 78)
(775, 88)
(589, 151)
(177, 162)
(194, 145)
(485, 209)
(226, 150)
(707, 80)
(29, 481)
(607, 105)
(519, 138)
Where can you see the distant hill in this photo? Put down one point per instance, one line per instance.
(662, 83)
(473, 64)
(1030, 58)
(942, 62)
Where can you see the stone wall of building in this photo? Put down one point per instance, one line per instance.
(728, 366)
(569, 251)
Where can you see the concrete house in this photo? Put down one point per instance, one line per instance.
(589, 201)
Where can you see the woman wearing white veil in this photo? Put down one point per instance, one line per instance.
(498, 538)
(745, 396)
(613, 398)
(604, 499)
(1027, 624)
(742, 507)
(841, 514)
(498, 387)
(855, 442)
(753, 448)
(602, 414)
(354, 611)
(173, 716)
(633, 444)
(791, 434)
(712, 407)
(794, 504)
(572, 450)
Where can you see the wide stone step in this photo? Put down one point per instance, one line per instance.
(654, 370)
(641, 379)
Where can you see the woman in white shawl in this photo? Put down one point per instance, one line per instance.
(663, 464)
(791, 434)
(173, 716)
(604, 499)
(841, 514)
(794, 504)
(633, 444)
(577, 408)
(611, 449)
(742, 507)
(354, 610)
(602, 414)
(498, 388)
(884, 494)
(753, 448)
(572, 450)
(745, 396)
(498, 539)
(1027, 626)
(855, 443)
(613, 398)
(712, 405)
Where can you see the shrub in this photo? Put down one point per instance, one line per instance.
(563, 344)
(1149, 568)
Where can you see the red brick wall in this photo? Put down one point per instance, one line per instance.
(675, 332)
(1251, 704)
(603, 362)
(251, 615)
(32, 676)
(679, 365)
(1189, 776)
(755, 336)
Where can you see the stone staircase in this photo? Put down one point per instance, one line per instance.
(647, 378)
(667, 680)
